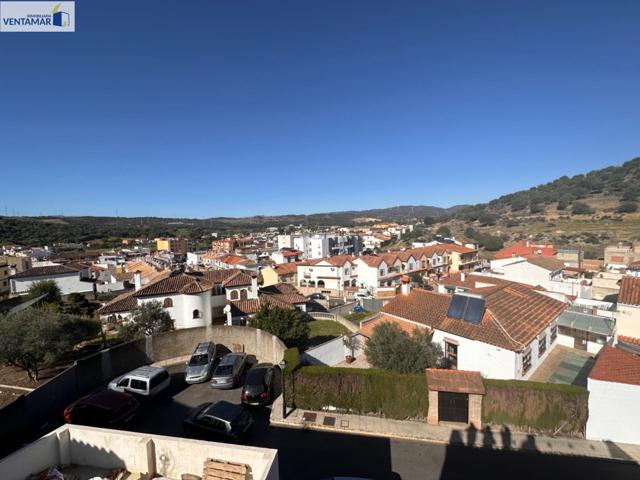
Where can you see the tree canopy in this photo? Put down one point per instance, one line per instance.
(46, 287)
(288, 325)
(150, 318)
(391, 348)
(33, 339)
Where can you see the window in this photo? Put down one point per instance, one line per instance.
(138, 385)
(526, 361)
(168, 303)
(234, 295)
(451, 355)
(542, 344)
(554, 333)
(196, 313)
(123, 383)
(243, 294)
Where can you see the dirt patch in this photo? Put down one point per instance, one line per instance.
(14, 376)
(7, 396)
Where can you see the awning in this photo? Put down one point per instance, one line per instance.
(586, 322)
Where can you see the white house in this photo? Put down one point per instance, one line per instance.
(332, 274)
(539, 270)
(375, 271)
(70, 278)
(192, 300)
(628, 309)
(614, 396)
(502, 329)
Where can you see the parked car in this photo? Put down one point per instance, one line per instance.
(361, 295)
(103, 409)
(258, 387)
(200, 364)
(316, 296)
(218, 419)
(144, 382)
(229, 370)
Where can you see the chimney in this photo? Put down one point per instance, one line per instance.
(254, 286)
(137, 278)
(406, 285)
(463, 276)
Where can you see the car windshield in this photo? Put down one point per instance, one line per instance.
(224, 370)
(253, 389)
(199, 360)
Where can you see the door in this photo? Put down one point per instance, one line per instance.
(580, 339)
(453, 407)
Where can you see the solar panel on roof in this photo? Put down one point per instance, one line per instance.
(474, 311)
(457, 306)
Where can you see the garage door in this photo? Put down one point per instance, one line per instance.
(453, 407)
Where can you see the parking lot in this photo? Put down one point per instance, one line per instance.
(164, 415)
(306, 454)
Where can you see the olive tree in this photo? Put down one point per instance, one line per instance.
(33, 339)
(150, 318)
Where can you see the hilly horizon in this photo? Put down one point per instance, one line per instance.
(603, 190)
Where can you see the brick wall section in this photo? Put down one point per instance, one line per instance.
(432, 416)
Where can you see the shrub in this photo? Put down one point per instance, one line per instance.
(627, 207)
(149, 318)
(362, 391)
(581, 208)
(444, 231)
(288, 325)
(292, 359)
(391, 348)
(543, 407)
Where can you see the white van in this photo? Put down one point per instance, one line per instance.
(146, 382)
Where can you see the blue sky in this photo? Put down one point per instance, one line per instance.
(209, 108)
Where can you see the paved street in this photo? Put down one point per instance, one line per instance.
(313, 455)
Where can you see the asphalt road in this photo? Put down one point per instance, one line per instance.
(313, 455)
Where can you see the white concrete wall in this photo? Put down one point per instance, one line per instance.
(628, 320)
(367, 275)
(79, 445)
(613, 412)
(68, 283)
(490, 361)
(183, 307)
(567, 341)
(329, 353)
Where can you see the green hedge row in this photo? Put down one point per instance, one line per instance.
(542, 407)
(362, 391)
(292, 359)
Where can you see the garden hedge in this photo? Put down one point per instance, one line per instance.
(540, 407)
(362, 391)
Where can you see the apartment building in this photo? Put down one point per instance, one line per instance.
(174, 245)
(621, 255)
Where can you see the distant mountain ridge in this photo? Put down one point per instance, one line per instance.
(618, 185)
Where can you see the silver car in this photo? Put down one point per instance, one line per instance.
(228, 372)
(200, 364)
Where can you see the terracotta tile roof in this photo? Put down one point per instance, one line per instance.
(181, 283)
(245, 307)
(371, 260)
(122, 303)
(629, 291)
(46, 271)
(231, 259)
(337, 260)
(220, 275)
(368, 326)
(290, 298)
(548, 263)
(122, 276)
(239, 279)
(626, 339)
(279, 288)
(457, 381)
(287, 268)
(526, 247)
(292, 253)
(515, 314)
(615, 365)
